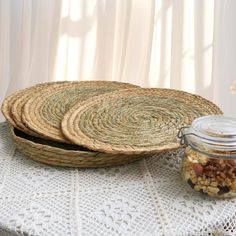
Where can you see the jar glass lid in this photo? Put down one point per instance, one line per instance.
(214, 135)
(217, 127)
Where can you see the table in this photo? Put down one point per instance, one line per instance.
(143, 198)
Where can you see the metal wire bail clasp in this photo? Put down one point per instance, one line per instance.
(181, 135)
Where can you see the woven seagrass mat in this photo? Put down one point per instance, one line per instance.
(67, 155)
(135, 121)
(12, 105)
(6, 107)
(44, 111)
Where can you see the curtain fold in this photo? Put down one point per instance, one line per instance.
(180, 44)
(224, 58)
(4, 49)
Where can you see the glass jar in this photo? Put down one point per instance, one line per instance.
(209, 162)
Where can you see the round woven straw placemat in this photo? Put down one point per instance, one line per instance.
(12, 105)
(67, 155)
(44, 111)
(7, 104)
(20, 100)
(135, 121)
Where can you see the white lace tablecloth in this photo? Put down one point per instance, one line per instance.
(144, 198)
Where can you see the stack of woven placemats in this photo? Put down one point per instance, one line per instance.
(99, 123)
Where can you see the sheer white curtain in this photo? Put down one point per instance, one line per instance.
(181, 44)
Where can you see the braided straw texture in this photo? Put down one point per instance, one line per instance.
(19, 102)
(58, 154)
(6, 106)
(134, 121)
(13, 105)
(44, 111)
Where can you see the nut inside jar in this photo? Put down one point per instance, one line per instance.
(215, 177)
